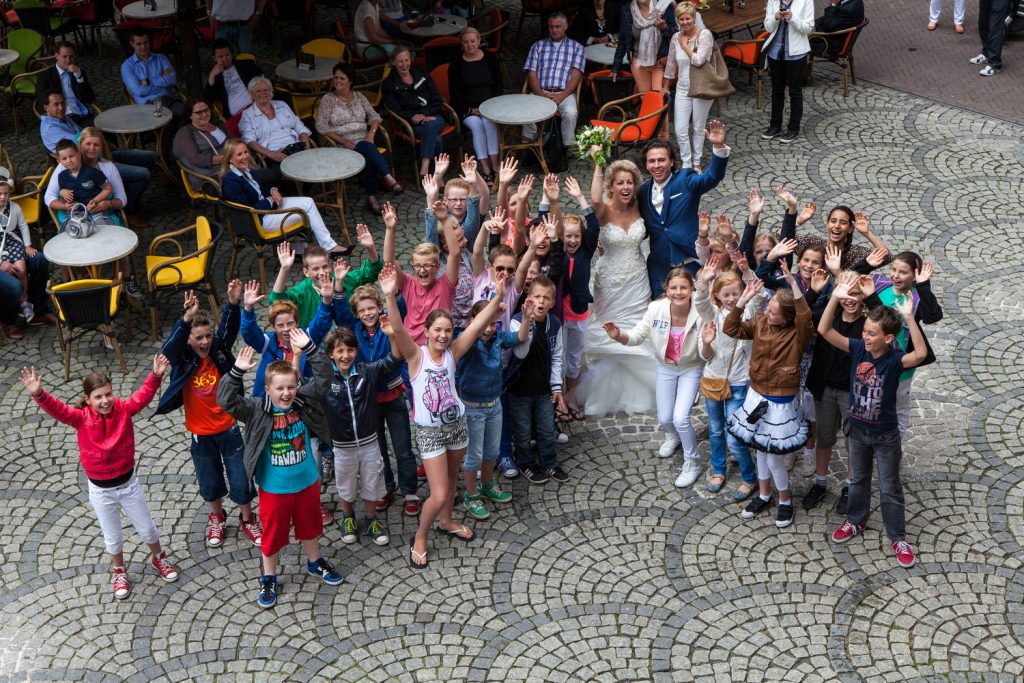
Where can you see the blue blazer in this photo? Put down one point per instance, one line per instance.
(235, 188)
(673, 232)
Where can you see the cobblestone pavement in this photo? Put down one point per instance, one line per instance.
(617, 575)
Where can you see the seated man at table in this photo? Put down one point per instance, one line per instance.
(838, 15)
(228, 80)
(67, 77)
(270, 127)
(149, 76)
(553, 69)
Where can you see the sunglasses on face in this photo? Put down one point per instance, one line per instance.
(504, 269)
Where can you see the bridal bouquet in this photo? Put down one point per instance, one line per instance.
(594, 135)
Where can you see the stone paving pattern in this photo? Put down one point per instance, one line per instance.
(616, 576)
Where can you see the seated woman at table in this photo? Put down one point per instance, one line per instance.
(239, 185)
(95, 153)
(269, 126)
(346, 117)
(596, 22)
(199, 143)
(371, 37)
(412, 95)
(475, 76)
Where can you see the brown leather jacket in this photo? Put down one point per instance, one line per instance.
(776, 351)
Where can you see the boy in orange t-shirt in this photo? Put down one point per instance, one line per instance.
(199, 357)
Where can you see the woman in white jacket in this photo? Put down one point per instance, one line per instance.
(717, 292)
(673, 326)
(786, 49)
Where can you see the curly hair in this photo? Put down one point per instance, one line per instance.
(617, 167)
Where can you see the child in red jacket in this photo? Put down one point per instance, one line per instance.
(106, 444)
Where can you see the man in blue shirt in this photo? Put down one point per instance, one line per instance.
(55, 125)
(148, 75)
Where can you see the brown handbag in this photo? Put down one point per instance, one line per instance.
(711, 79)
(717, 389)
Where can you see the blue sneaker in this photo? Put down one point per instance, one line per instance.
(325, 571)
(268, 591)
(508, 468)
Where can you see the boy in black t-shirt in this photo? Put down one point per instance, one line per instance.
(80, 184)
(874, 435)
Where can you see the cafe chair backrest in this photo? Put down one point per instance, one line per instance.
(86, 303)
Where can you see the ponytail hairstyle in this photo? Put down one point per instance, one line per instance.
(911, 258)
(92, 382)
(677, 272)
(849, 215)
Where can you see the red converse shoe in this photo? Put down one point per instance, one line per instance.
(325, 514)
(121, 586)
(904, 553)
(846, 531)
(385, 502)
(215, 530)
(165, 568)
(252, 529)
(412, 506)
(421, 472)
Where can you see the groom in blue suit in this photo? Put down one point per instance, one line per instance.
(669, 203)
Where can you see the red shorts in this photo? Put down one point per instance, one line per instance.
(279, 511)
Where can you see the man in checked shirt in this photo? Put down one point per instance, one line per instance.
(553, 69)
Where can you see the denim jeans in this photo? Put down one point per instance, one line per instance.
(484, 436)
(135, 167)
(533, 417)
(395, 416)
(718, 411)
(992, 29)
(376, 165)
(429, 133)
(885, 449)
(240, 38)
(787, 73)
(215, 455)
(505, 450)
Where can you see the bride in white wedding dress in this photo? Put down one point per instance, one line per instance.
(617, 377)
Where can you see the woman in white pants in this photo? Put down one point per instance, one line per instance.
(239, 186)
(935, 9)
(690, 45)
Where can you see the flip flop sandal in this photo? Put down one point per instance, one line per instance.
(578, 415)
(413, 556)
(563, 416)
(454, 533)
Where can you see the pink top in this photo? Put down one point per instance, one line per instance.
(420, 301)
(483, 290)
(567, 313)
(674, 349)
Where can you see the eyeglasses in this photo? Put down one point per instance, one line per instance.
(422, 266)
(458, 200)
(200, 112)
(504, 269)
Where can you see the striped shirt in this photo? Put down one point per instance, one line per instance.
(553, 62)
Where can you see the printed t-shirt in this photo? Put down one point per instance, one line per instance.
(203, 415)
(286, 464)
(873, 386)
(484, 290)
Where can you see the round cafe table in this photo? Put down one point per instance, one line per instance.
(321, 71)
(443, 25)
(132, 119)
(110, 243)
(510, 112)
(603, 54)
(138, 10)
(326, 165)
(8, 57)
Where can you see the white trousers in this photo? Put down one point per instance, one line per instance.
(959, 7)
(675, 392)
(687, 110)
(485, 136)
(108, 504)
(316, 221)
(770, 466)
(569, 115)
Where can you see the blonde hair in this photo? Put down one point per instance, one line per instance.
(686, 8)
(94, 132)
(729, 277)
(363, 292)
(280, 367)
(457, 184)
(428, 249)
(617, 167)
(470, 29)
(573, 218)
(230, 146)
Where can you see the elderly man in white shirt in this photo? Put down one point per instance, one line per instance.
(269, 126)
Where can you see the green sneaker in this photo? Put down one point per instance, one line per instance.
(474, 506)
(490, 491)
(376, 531)
(349, 530)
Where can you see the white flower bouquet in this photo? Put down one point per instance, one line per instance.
(594, 135)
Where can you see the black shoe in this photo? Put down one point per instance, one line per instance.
(755, 507)
(535, 475)
(784, 515)
(790, 135)
(814, 496)
(558, 474)
(772, 132)
(844, 498)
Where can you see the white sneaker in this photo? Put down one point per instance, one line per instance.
(669, 446)
(561, 437)
(788, 460)
(810, 466)
(690, 473)
(989, 71)
(27, 311)
(979, 59)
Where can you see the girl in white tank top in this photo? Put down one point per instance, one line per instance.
(435, 403)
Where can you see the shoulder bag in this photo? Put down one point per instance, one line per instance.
(711, 79)
(717, 389)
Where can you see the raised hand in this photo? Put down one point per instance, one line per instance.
(715, 133)
(525, 187)
(324, 286)
(550, 227)
(723, 227)
(469, 169)
(612, 329)
(160, 364)
(807, 213)
(385, 324)
(390, 216)
(877, 257)
(298, 340)
(739, 259)
(388, 279)
(572, 188)
(833, 259)
(285, 255)
(786, 274)
(440, 210)
(528, 308)
(925, 273)
(441, 163)
(507, 171)
(707, 333)
(819, 278)
(251, 296)
(30, 380)
(752, 289)
(341, 269)
(363, 236)
(244, 358)
(500, 285)
(594, 149)
(234, 291)
(866, 284)
(703, 223)
(551, 189)
(429, 185)
(710, 270)
(786, 196)
(905, 305)
(861, 223)
(755, 202)
(783, 248)
(191, 306)
(538, 234)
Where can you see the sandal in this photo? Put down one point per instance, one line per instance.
(716, 482)
(414, 556)
(373, 207)
(396, 188)
(563, 416)
(744, 491)
(461, 532)
(578, 414)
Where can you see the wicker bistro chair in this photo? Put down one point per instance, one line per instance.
(30, 198)
(633, 129)
(451, 134)
(842, 43)
(201, 190)
(171, 274)
(746, 54)
(245, 226)
(87, 306)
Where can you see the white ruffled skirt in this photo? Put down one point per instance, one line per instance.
(782, 428)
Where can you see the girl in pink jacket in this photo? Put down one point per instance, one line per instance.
(106, 444)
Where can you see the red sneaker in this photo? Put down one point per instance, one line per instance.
(13, 332)
(252, 529)
(904, 553)
(421, 472)
(412, 506)
(385, 502)
(165, 568)
(215, 530)
(325, 514)
(846, 531)
(121, 586)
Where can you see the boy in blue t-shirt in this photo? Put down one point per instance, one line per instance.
(874, 435)
(80, 183)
